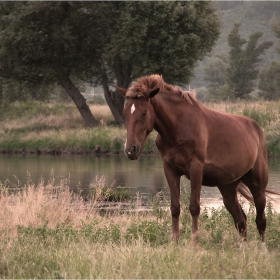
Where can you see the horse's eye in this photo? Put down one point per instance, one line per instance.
(144, 113)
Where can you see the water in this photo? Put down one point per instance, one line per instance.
(144, 175)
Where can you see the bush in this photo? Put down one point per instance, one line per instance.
(262, 118)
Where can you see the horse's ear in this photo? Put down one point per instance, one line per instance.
(153, 92)
(122, 91)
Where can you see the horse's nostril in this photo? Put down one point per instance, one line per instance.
(131, 152)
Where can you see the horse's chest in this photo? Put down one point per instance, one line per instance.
(178, 162)
(177, 157)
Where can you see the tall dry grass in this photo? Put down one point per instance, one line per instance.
(52, 203)
(36, 205)
(49, 232)
(50, 116)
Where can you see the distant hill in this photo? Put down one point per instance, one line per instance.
(254, 16)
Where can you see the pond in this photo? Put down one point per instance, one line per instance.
(144, 176)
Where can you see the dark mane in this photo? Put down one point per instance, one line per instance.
(143, 85)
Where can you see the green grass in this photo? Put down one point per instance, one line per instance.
(49, 232)
(80, 257)
(36, 127)
(33, 109)
(58, 128)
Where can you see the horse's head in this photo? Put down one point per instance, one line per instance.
(139, 119)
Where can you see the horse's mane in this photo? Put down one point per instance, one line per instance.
(142, 86)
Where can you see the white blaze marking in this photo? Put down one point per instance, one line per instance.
(125, 147)
(132, 109)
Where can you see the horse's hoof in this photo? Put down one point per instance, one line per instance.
(263, 248)
(242, 245)
(194, 242)
(175, 238)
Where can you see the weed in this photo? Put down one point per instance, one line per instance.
(99, 191)
(150, 232)
(273, 146)
(263, 118)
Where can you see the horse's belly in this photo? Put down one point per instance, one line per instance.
(214, 175)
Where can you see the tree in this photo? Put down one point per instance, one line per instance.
(103, 42)
(276, 29)
(215, 74)
(166, 38)
(40, 46)
(242, 70)
(269, 82)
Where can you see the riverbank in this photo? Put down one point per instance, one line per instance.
(42, 128)
(47, 232)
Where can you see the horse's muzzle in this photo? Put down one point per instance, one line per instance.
(132, 152)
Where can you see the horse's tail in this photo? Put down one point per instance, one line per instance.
(245, 192)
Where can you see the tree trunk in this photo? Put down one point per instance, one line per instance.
(114, 100)
(76, 96)
(123, 74)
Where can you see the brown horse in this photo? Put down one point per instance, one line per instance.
(210, 148)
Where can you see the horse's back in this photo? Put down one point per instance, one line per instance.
(233, 134)
(235, 144)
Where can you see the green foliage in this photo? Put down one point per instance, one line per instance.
(152, 233)
(54, 131)
(254, 15)
(273, 145)
(70, 141)
(275, 25)
(269, 82)
(242, 70)
(122, 245)
(33, 109)
(216, 231)
(99, 42)
(233, 75)
(66, 233)
(223, 93)
(169, 38)
(215, 73)
(262, 118)
(106, 193)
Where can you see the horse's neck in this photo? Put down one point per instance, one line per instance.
(169, 113)
(174, 114)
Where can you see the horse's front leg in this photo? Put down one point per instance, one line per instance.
(196, 171)
(174, 185)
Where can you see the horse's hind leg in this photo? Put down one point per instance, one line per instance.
(257, 185)
(229, 193)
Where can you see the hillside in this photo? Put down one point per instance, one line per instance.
(254, 16)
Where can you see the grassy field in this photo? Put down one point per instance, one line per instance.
(49, 232)
(35, 127)
(58, 128)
